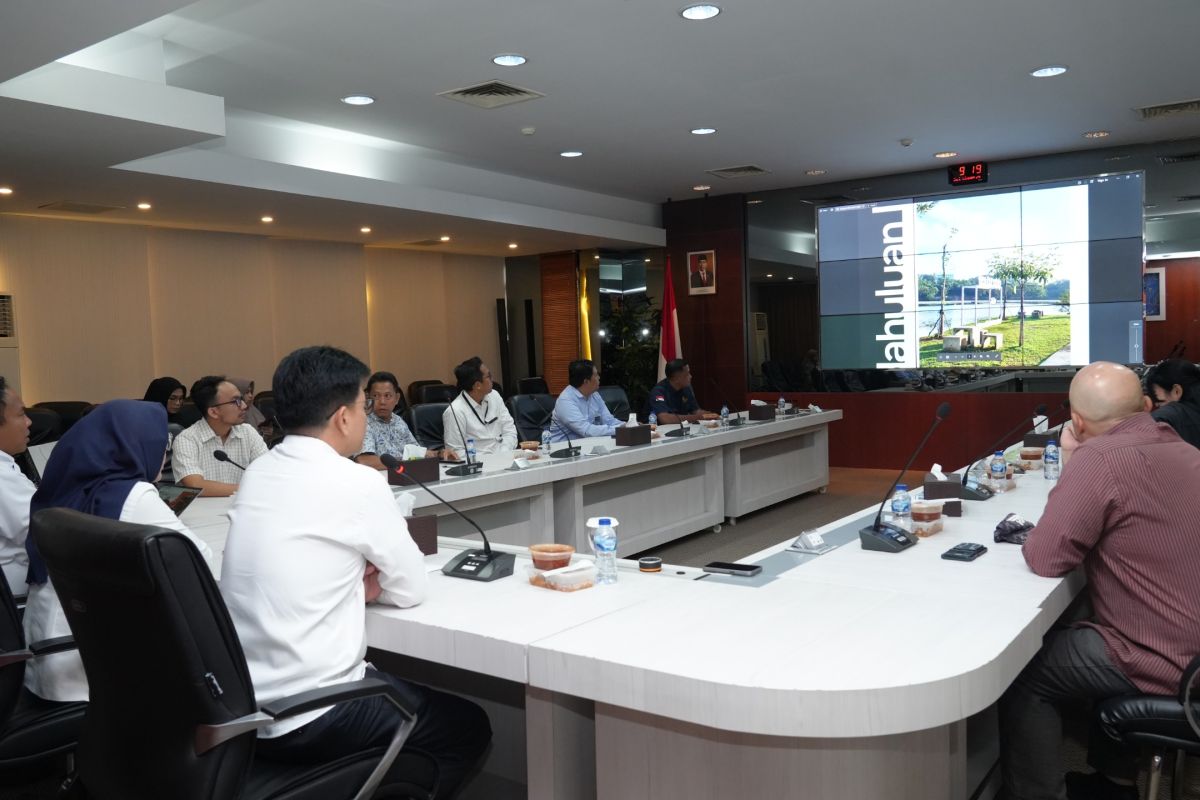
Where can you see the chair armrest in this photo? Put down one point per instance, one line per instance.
(8, 657)
(1185, 694)
(60, 644)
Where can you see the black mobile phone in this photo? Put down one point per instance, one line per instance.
(967, 551)
(730, 568)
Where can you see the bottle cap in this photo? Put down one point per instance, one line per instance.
(605, 521)
(999, 452)
(1052, 442)
(901, 487)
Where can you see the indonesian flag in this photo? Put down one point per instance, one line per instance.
(669, 346)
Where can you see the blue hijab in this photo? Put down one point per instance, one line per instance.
(95, 465)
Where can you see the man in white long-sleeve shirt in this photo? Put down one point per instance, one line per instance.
(307, 524)
(479, 413)
(15, 489)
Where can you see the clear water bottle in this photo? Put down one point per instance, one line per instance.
(780, 406)
(998, 471)
(902, 508)
(1051, 463)
(652, 419)
(604, 541)
(546, 441)
(471, 458)
(724, 416)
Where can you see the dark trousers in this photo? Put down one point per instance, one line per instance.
(1072, 666)
(454, 732)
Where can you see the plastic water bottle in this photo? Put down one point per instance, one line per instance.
(652, 419)
(998, 471)
(604, 540)
(780, 406)
(724, 416)
(1050, 461)
(546, 441)
(902, 508)
(471, 458)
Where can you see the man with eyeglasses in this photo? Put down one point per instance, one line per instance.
(387, 434)
(478, 413)
(222, 426)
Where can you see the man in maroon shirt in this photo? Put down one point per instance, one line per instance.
(1124, 509)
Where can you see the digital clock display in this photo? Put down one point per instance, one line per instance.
(975, 172)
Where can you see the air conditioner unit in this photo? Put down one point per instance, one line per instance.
(10, 364)
(761, 347)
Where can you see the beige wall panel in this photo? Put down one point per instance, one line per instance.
(473, 284)
(320, 297)
(81, 298)
(406, 302)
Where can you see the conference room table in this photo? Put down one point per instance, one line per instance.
(854, 674)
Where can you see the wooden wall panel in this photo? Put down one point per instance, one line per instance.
(319, 295)
(405, 295)
(1183, 311)
(473, 284)
(560, 317)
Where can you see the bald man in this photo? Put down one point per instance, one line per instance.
(1125, 510)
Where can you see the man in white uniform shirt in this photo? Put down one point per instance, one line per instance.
(313, 536)
(222, 426)
(15, 489)
(479, 413)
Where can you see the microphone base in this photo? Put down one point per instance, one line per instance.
(735, 422)
(565, 452)
(677, 433)
(887, 538)
(975, 492)
(476, 565)
(474, 468)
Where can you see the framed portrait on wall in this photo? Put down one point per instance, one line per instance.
(1154, 293)
(702, 272)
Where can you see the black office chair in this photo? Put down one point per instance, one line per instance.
(188, 414)
(531, 413)
(617, 401)
(414, 390)
(45, 425)
(425, 422)
(172, 710)
(265, 394)
(534, 385)
(33, 732)
(266, 405)
(1159, 723)
(436, 393)
(69, 411)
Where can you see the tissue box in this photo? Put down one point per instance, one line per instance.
(941, 490)
(1038, 439)
(952, 508)
(423, 469)
(629, 437)
(423, 531)
(762, 413)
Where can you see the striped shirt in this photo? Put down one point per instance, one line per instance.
(1126, 509)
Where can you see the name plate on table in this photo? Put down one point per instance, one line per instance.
(423, 469)
(423, 531)
(631, 437)
(762, 413)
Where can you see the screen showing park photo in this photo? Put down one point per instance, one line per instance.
(1042, 275)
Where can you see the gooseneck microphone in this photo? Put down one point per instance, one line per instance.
(884, 536)
(221, 455)
(476, 565)
(977, 493)
(570, 451)
(472, 466)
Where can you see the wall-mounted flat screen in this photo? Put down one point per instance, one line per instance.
(1045, 274)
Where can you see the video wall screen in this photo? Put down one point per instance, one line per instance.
(1039, 275)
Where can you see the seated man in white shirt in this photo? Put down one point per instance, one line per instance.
(15, 489)
(222, 427)
(307, 525)
(479, 413)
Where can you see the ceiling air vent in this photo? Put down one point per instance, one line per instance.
(80, 208)
(492, 94)
(744, 171)
(1169, 109)
(1182, 158)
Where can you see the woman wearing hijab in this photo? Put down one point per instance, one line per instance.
(169, 393)
(1174, 386)
(254, 418)
(105, 465)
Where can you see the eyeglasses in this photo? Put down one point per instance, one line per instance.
(175, 399)
(238, 401)
(368, 404)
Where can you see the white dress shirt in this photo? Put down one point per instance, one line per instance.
(15, 493)
(60, 677)
(192, 452)
(303, 526)
(489, 424)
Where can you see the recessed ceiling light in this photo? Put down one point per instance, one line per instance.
(701, 187)
(268, 219)
(645, 331)
(1095, 134)
(443, 238)
(945, 154)
(597, 257)
(647, 261)
(1048, 71)
(364, 229)
(791, 278)
(144, 206)
(571, 153)
(753, 202)
(512, 245)
(5, 190)
(703, 131)
(770, 275)
(358, 99)
(814, 172)
(509, 60)
(700, 11)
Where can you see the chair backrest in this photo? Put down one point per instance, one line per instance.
(531, 413)
(267, 406)
(161, 657)
(414, 390)
(776, 380)
(436, 393)
(617, 401)
(69, 411)
(45, 425)
(11, 638)
(188, 414)
(534, 385)
(425, 421)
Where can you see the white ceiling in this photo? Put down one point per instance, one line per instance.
(790, 86)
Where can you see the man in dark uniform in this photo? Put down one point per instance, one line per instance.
(673, 400)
